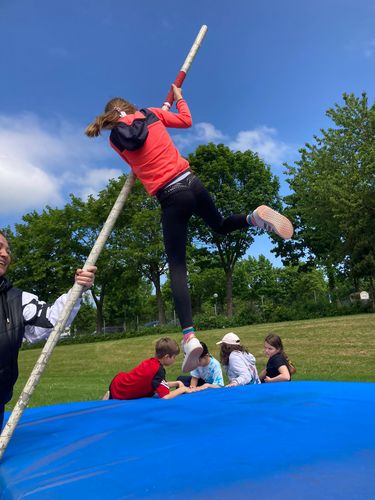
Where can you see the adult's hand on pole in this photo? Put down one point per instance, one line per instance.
(85, 277)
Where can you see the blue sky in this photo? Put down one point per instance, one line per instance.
(263, 79)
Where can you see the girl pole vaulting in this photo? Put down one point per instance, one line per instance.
(142, 140)
(77, 290)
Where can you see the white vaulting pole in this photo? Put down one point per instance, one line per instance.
(77, 290)
(186, 66)
(74, 295)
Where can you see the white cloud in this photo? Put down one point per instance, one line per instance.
(40, 162)
(263, 141)
(95, 180)
(208, 132)
(201, 133)
(25, 186)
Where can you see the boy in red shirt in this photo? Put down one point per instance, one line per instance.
(148, 378)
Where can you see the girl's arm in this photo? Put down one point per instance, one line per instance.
(182, 119)
(283, 377)
(262, 375)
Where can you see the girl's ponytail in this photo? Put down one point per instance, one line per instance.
(93, 130)
(109, 119)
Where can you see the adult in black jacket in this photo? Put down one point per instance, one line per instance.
(23, 315)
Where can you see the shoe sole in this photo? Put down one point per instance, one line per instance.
(191, 361)
(282, 226)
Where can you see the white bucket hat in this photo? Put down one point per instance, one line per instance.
(230, 339)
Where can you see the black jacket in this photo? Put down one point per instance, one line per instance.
(12, 329)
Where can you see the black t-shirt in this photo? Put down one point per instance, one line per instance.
(274, 363)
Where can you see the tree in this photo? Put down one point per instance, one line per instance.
(333, 192)
(144, 242)
(48, 247)
(238, 182)
(132, 251)
(43, 255)
(256, 279)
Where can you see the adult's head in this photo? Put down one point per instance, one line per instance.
(4, 254)
(114, 109)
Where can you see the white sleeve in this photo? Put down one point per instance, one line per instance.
(239, 367)
(40, 318)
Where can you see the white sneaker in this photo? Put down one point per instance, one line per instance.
(270, 220)
(192, 349)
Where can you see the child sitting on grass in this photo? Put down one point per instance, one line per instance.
(208, 374)
(148, 378)
(237, 362)
(279, 368)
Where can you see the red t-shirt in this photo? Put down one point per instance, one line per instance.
(143, 141)
(143, 381)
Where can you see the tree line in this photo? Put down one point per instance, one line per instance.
(331, 203)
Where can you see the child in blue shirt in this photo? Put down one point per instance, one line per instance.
(207, 374)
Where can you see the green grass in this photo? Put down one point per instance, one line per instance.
(340, 348)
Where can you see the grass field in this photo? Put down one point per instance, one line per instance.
(340, 348)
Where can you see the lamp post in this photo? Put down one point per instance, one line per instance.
(215, 305)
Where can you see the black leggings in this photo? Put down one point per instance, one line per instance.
(178, 203)
(2, 409)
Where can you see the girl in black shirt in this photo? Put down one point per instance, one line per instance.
(279, 368)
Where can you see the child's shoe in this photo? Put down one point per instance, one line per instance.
(192, 349)
(270, 220)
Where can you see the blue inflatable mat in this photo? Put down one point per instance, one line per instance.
(299, 440)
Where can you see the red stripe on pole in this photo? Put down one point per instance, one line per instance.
(178, 82)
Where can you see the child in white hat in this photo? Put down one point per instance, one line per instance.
(238, 363)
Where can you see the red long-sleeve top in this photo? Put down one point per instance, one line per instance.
(143, 141)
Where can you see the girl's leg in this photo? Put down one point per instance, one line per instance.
(263, 217)
(206, 209)
(176, 212)
(175, 218)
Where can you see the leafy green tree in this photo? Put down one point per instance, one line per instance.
(43, 258)
(144, 243)
(333, 192)
(48, 247)
(238, 182)
(256, 279)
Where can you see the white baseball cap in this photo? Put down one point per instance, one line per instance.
(230, 338)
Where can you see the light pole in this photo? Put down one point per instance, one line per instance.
(215, 305)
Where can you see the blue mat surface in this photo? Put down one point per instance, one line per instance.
(310, 440)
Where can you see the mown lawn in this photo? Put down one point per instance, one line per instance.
(340, 348)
